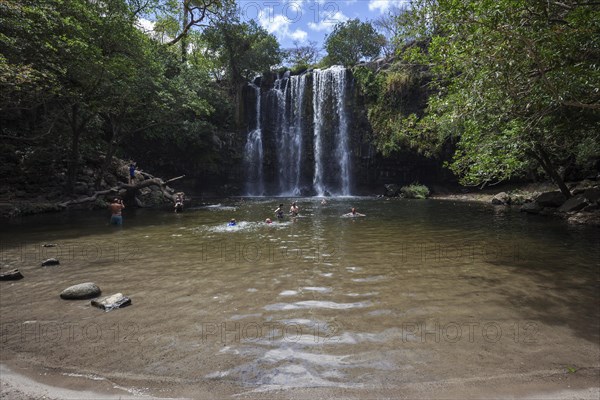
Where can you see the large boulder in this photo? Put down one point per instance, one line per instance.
(50, 261)
(573, 204)
(501, 198)
(551, 199)
(81, 291)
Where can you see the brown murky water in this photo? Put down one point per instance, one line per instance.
(416, 291)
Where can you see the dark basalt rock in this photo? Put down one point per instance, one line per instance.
(531, 208)
(50, 261)
(573, 204)
(551, 199)
(13, 275)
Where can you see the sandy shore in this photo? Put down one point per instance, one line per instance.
(17, 386)
(543, 385)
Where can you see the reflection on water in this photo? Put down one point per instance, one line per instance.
(402, 295)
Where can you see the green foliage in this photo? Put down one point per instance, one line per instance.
(79, 80)
(515, 80)
(571, 370)
(242, 49)
(395, 101)
(352, 41)
(415, 191)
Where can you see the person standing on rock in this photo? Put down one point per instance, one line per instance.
(115, 208)
(131, 172)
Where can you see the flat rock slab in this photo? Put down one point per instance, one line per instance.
(50, 261)
(13, 275)
(111, 302)
(81, 291)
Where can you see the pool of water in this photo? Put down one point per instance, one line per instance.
(415, 291)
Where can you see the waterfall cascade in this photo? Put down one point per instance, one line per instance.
(253, 154)
(311, 156)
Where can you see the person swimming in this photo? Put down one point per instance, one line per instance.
(353, 213)
(268, 221)
(232, 222)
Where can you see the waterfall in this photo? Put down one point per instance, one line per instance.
(291, 142)
(298, 88)
(253, 154)
(330, 133)
(289, 95)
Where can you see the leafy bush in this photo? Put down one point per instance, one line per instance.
(415, 191)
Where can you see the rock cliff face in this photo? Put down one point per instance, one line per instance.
(309, 134)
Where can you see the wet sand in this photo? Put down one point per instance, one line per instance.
(543, 385)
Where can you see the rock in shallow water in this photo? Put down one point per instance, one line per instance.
(81, 291)
(501, 198)
(11, 275)
(573, 204)
(50, 261)
(531, 208)
(111, 302)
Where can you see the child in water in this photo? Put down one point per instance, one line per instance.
(279, 212)
(232, 222)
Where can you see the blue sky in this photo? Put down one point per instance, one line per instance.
(305, 20)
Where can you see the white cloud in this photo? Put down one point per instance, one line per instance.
(299, 35)
(280, 25)
(327, 21)
(145, 24)
(273, 24)
(384, 5)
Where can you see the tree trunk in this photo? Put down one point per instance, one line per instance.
(129, 191)
(184, 23)
(544, 160)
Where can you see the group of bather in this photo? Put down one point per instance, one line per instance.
(294, 211)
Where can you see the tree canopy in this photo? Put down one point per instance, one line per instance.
(352, 41)
(514, 83)
(80, 80)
